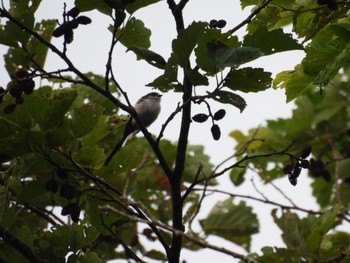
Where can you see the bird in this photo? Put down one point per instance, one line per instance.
(147, 109)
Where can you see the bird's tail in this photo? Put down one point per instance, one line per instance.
(115, 150)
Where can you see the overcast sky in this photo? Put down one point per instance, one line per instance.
(89, 53)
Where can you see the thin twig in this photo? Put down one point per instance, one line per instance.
(251, 16)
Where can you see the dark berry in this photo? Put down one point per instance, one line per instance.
(296, 171)
(83, 20)
(68, 36)
(52, 185)
(61, 173)
(75, 214)
(332, 5)
(213, 23)
(9, 108)
(62, 30)
(293, 180)
(74, 12)
(21, 74)
(326, 175)
(15, 88)
(305, 152)
(28, 86)
(67, 191)
(221, 23)
(216, 132)
(219, 114)
(201, 117)
(288, 169)
(304, 164)
(347, 180)
(19, 100)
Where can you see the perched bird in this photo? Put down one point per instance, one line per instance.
(147, 108)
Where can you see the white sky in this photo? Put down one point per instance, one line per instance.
(89, 53)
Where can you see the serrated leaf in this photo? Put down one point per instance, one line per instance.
(99, 5)
(321, 64)
(168, 80)
(50, 111)
(135, 34)
(196, 78)
(35, 48)
(270, 42)
(229, 98)
(212, 35)
(235, 223)
(151, 57)
(248, 80)
(237, 175)
(85, 118)
(224, 56)
(155, 254)
(186, 41)
(324, 223)
(90, 156)
(136, 5)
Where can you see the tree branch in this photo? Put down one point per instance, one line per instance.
(251, 16)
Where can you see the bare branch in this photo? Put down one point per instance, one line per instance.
(251, 16)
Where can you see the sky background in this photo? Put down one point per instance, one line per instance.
(89, 53)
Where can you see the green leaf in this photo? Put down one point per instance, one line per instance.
(248, 80)
(186, 41)
(35, 48)
(321, 64)
(212, 35)
(224, 56)
(155, 254)
(196, 78)
(270, 42)
(151, 57)
(294, 230)
(235, 223)
(323, 61)
(322, 190)
(90, 156)
(100, 5)
(229, 98)
(90, 257)
(245, 3)
(50, 111)
(168, 80)
(136, 5)
(320, 229)
(237, 175)
(295, 82)
(85, 118)
(135, 34)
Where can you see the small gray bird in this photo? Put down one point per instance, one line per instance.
(147, 108)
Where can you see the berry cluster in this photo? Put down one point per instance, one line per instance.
(71, 21)
(293, 170)
(217, 23)
(215, 129)
(331, 4)
(21, 83)
(317, 169)
(68, 191)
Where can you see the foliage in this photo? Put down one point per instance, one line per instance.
(59, 202)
